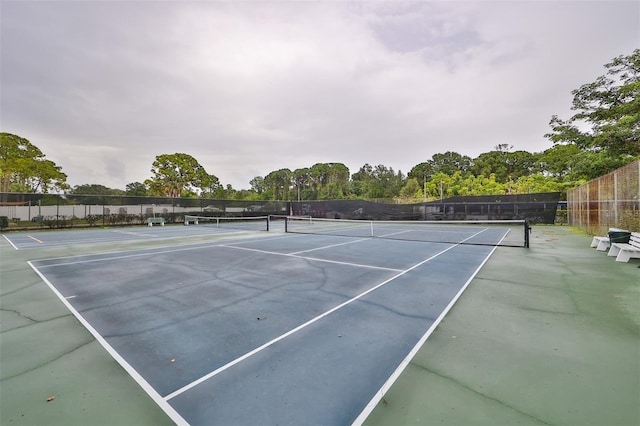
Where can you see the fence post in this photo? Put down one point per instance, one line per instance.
(615, 197)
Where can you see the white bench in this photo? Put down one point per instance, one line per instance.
(624, 251)
(603, 243)
(600, 243)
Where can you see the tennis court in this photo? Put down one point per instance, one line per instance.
(45, 238)
(304, 329)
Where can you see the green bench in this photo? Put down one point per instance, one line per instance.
(155, 221)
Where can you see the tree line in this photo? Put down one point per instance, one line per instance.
(602, 135)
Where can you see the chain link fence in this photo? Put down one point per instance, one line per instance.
(611, 201)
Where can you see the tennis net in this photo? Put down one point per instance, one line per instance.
(509, 233)
(255, 223)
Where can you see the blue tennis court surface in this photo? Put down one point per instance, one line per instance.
(282, 329)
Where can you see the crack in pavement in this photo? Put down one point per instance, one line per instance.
(485, 396)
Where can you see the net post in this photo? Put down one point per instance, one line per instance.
(268, 221)
(286, 224)
(527, 230)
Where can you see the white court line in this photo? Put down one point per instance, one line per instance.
(107, 258)
(132, 253)
(162, 403)
(10, 242)
(433, 231)
(315, 258)
(329, 246)
(136, 234)
(368, 409)
(295, 330)
(301, 228)
(35, 239)
(119, 240)
(57, 243)
(153, 251)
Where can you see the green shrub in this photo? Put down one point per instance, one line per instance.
(92, 219)
(630, 219)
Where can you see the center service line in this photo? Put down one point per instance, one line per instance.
(359, 265)
(295, 330)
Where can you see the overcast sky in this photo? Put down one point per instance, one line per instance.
(103, 87)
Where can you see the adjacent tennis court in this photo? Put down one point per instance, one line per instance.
(44, 238)
(276, 329)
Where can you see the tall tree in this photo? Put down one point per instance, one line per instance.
(422, 172)
(449, 163)
(338, 181)
(24, 168)
(136, 188)
(412, 191)
(507, 166)
(558, 160)
(606, 125)
(279, 184)
(329, 180)
(212, 188)
(377, 182)
(302, 181)
(178, 174)
(438, 187)
(257, 184)
(95, 189)
(361, 180)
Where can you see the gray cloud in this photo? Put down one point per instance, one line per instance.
(248, 88)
